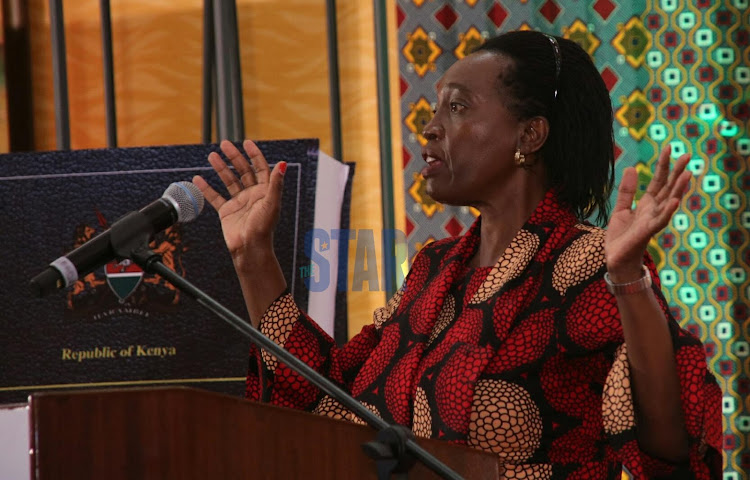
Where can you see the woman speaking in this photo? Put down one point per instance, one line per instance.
(536, 335)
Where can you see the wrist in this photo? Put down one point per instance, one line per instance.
(254, 258)
(625, 273)
(641, 283)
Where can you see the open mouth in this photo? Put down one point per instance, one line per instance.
(433, 164)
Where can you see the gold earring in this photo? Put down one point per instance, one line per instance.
(520, 158)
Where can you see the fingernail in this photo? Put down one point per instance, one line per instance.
(282, 167)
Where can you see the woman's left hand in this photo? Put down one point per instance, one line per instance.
(630, 230)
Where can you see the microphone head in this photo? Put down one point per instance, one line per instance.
(187, 200)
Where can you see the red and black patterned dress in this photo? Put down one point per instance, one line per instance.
(525, 359)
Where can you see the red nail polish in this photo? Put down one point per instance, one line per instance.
(282, 167)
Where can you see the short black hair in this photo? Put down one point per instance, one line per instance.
(578, 154)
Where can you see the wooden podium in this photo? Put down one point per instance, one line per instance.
(184, 433)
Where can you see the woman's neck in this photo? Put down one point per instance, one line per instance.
(502, 219)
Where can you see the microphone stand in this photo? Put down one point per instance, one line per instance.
(394, 444)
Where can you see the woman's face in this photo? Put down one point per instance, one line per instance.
(472, 138)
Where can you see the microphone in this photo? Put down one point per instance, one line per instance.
(181, 202)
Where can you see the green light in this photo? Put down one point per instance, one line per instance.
(672, 76)
(696, 165)
(680, 222)
(678, 148)
(688, 295)
(668, 278)
(730, 201)
(707, 313)
(654, 59)
(724, 331)
(689, 94)
(724, 56)
(657, 132)
(737, 275)
(717, 257)
(728, 404)
(743, 424)
(698, 240)
(728, 129)
(711, 183)
(708, 112)
(704, 37)
(669, 5)
(742, 75)
(686, 20)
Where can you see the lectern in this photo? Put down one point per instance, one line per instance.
(185, 433)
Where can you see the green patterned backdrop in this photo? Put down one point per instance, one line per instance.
(678, 73)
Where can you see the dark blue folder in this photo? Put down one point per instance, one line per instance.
(115, 327)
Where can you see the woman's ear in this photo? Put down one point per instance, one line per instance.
(534, 134)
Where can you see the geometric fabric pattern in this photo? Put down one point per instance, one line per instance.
(678, 73)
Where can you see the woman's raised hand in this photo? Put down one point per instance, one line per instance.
(630, 230)
(249, 216)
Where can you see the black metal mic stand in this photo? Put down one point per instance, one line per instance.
(393, 445)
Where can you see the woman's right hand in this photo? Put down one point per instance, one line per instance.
(249, 216)
(248, 219)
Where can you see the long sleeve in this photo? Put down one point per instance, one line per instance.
(700, 399)
(269, 380)
(588, 381)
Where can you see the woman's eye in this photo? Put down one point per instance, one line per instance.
(456, 107)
